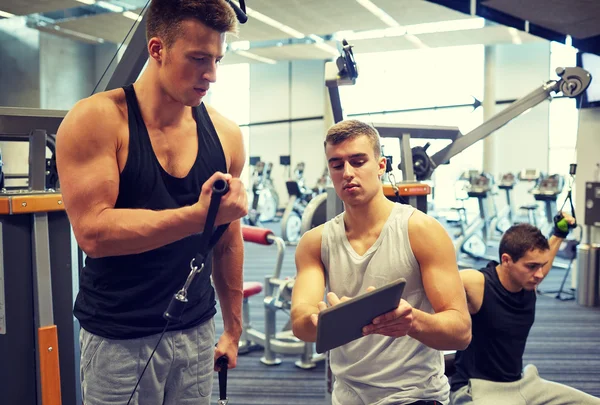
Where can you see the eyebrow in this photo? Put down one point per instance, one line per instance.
(536, 263)
(356, 155)
(210, 55)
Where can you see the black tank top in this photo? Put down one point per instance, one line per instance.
(500, 331)
(124, 297)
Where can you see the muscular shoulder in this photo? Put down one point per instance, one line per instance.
(225, 127)
(95, 119)
(231, 138)
(426, 234)
(310, 243)
(474, 283)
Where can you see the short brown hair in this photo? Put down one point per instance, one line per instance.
(165, 17)
(350, 129)
(520, 239)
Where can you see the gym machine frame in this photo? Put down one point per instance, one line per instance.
(36, 265)
(277, 296)
(416, 164)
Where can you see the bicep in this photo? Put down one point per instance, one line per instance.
(309, 285)
(87, 166)
(435, 253)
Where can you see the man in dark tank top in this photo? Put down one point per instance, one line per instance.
(137, 165)
(501, 299)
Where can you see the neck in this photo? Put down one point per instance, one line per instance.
(158, 108)
(505, 279)
(365, 216)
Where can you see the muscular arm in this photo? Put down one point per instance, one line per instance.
(449, 328)
(474, 284)
(86, 157)
(228, 255)
(309, 286)
(554, 243)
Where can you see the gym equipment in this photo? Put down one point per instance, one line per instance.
(547, 190)
(572, 82)
(38, 273)
(263, 199)
(210, 237)
(299, 197)
(474, 239)
(505, 218)
(278, 297)
(588, 254)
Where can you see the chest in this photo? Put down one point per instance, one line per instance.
(362, 243)
(175, 150)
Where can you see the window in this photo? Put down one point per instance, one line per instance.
(420, 80)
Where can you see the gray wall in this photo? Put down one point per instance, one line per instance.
(286, 91)
(67, 71)
(19, 64)
(41, 70)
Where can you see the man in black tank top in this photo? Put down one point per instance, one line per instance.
(137, 166)
(501, 299)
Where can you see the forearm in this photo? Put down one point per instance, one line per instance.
(302, 325)
(448, 330)
(554, 243)
(228, 279)
(117, 232)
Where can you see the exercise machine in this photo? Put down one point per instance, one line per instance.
(548, 191)
(475, 236)
(505, 218)
(277, 299)
(263, 199)
(38, 275)
(299, 197)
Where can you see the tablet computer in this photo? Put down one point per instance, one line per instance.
(343, 323)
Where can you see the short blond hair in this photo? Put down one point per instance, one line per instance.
(351, 129)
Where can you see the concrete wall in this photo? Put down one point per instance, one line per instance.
(67, 71)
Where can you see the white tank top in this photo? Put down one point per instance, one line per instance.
(398, 369)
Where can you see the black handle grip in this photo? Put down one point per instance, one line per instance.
(175, 310)
(222, 364)
(220, 187)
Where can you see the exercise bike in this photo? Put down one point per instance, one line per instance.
(299, 197)
(505, 218)
(263, 199)
(277, 297)
(474, 238)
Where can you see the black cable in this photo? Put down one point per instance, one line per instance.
(148, 362)
(118, 49)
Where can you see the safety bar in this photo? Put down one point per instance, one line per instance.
(264, 236)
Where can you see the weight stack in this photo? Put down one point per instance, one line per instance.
(588, 275)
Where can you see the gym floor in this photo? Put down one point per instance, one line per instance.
(564, 344)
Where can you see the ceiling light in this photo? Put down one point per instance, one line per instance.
(250, 55)
(446, 26)
(273, 23)
(379, 13)
(87, 1)
(110, 7)
(132, 15)
(6, 14)
(240, 45)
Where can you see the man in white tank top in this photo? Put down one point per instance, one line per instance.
(373, 242)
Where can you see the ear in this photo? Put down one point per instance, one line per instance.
(156, 49)
(505, 259)
(382, 166)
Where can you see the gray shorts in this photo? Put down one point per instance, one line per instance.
(529, 390)
(180, 373)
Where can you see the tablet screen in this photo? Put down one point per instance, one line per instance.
(343, 323)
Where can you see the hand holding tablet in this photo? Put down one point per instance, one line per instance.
(344, 321)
